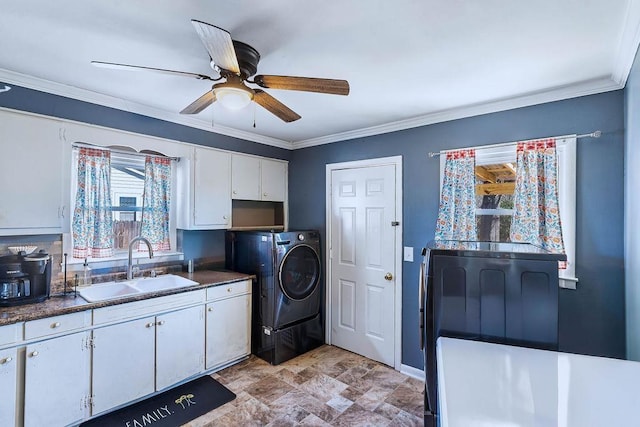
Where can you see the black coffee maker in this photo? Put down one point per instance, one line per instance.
(24, 279)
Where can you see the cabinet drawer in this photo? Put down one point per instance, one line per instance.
(9, 334)
(147, 307)
(56, 324)
(228, 290)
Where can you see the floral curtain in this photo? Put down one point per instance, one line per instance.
(457, 212)
(92, 221)
(156, 203)
(536, 214)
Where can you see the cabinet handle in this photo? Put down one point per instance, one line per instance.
(150, 324)
(210, 309)
(5, 360)
(33, 354)
(55, 325)
(160, 323)
(265, 194)
(228, 289)
(224, 217)
(235, 192)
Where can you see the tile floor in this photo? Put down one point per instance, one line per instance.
(326, 387)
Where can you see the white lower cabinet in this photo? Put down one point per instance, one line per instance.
(56, 383)
(8, 386)
(123, 363)
(179, 346)
(228, 323)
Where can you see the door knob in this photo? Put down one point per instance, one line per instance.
(388, 276)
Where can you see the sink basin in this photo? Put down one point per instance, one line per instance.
(112, 290)
(108, 291)
(160, 283)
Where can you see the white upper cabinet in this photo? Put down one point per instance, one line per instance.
(35, 171)
(255, 178)
(204, 200)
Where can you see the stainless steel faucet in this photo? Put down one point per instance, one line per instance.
(130, 263)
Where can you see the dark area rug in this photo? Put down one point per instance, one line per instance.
(170, 408)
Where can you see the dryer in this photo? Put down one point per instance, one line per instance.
(287, 292)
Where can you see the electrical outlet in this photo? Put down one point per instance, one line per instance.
(408, 253)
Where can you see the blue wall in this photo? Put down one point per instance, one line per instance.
(592, 317)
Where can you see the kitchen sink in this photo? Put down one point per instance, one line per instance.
(106, 291)
(160, 283)
(113, 290)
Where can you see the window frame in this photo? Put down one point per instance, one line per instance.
(566, 152)
(120, 257)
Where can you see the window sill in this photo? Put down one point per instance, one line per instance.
(120, 259)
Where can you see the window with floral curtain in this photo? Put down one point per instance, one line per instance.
(92, 222)
(536, 214)
(457, 211)
(156, 203)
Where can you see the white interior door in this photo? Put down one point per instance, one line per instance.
(363, 259)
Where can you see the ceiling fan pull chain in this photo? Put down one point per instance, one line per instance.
(254, 115)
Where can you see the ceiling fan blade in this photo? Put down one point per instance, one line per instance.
(156, 70)
(200, 104)
(274, 106)
(219, 45)
(307, 84)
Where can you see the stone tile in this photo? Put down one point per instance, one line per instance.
(327, 386)
(404, 419)
(313, 421)
(292, 418)
(323, 387)
(386, 410)
(269, 389)
(340, 403)
(351, 393)
(408, 399)
(356, 416)
(373, 398)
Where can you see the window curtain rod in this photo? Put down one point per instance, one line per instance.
(596, 134)
(114, 150)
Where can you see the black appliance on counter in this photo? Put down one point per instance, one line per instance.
(287, 292)
(504, 293)
(24, 279)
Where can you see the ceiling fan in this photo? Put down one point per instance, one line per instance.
(235, 63)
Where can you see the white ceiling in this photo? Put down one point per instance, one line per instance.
(409, 62)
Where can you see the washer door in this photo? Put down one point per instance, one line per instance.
(299, 272)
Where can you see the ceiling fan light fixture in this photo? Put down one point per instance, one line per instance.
(233, 96)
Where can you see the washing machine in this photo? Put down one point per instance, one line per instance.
(287, 291)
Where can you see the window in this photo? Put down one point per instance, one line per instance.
(495, 182)
(126, 189)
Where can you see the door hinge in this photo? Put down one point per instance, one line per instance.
(395, 223)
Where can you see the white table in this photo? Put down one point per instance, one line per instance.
(492, 385)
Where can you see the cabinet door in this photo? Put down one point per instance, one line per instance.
(245, 177)
(179, 346)
(228, 330)
(274, 180)
(56, 388)
(8, 386)
(32, 172)
(211, 188)
(123, 363)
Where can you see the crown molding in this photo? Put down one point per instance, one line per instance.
(590, 87)
(68, 91)
(628, 44)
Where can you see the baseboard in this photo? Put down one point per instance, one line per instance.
(412, 372)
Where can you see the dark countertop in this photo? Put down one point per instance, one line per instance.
(64, 304)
